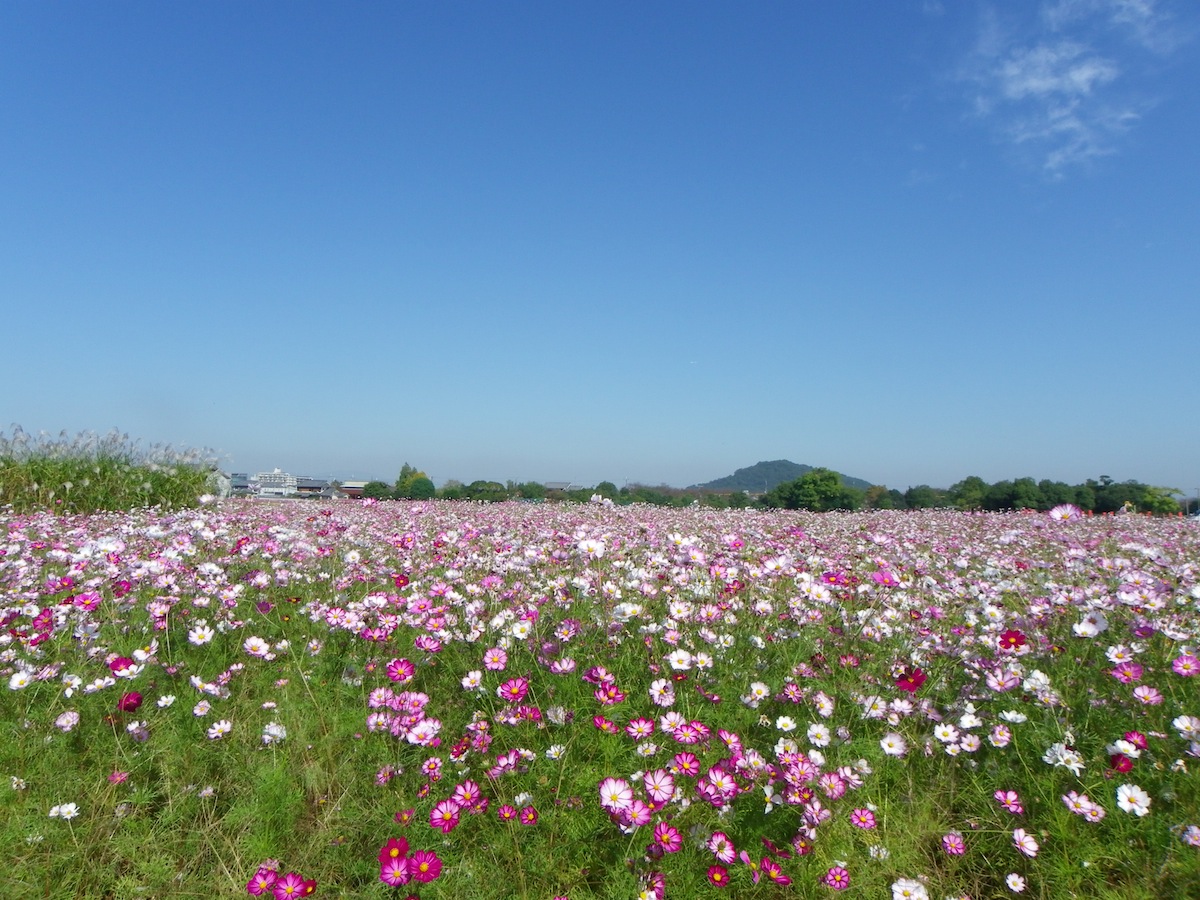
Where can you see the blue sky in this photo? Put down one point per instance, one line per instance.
(912, 241)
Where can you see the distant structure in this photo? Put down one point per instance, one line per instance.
(278, 483)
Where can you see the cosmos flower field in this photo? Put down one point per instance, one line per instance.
(532, 700)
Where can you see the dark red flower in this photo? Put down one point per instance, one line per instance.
(910, 680)
(129, 702)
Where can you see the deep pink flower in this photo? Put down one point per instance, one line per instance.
(668, 837)
(910, 680)
(528, 816)
(1012, 640)
(262, 882)
(514, 690)
(837, 878)
(1186, 665)
(425, 865)
(129, 702)
(1010, 801)
(289, 886)
(395, 848)
(774, 871)
(863, 818)
(394, 872)
(953, 844)
(400, 670)
(444, 816)
(718, 875)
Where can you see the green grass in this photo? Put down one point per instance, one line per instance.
(88, 473)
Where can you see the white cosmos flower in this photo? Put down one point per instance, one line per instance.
(201, 634)
(1132, 799)
(679, 660)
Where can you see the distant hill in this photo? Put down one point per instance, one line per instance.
(763, 476)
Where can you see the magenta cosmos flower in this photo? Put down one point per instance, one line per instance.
(718, 875)
(262, 882)
(668, 837)
(394, 872)
(837, 878)
(400, 670)
(395, 848)
(910, 680)
(289, 886)
(425, 865)
(444, 816)
(954, 844)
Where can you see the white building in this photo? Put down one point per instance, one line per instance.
(275, 484)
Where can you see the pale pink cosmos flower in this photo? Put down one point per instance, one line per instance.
(1025, 842)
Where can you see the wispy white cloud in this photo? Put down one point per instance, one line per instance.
(1065, 83)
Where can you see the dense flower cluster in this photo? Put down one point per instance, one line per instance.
(725, 693)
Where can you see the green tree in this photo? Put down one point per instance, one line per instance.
(969, 493)
(377, 490)
(606, 489)
(1055, 493)
(413, 484)
(421, 488)
(920, 497)
(1026, 495)
(877, 497)
(819, 490)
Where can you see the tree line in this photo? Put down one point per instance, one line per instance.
(820, 489)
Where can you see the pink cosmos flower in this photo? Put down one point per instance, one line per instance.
(910, 680)
(953, 844)
(640, 728)
(721, 847)
(1127, 672)
(837, 878)
(425, 865)
(1148, 695)
(514, 690)
(1010, 801)
(289, 886)
(636, 814)
(495, 659)
(400, 671)
(262, 882)
(394, 872)
(528, 816)
(615, 794)
(685, 764)
(659, 785)
(718, 876)
(395, 848)
(129, 702)
(1186, 665)
(1025, 842)
(862, 818)
(444, 816)
(774, 871)
(668, 837)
